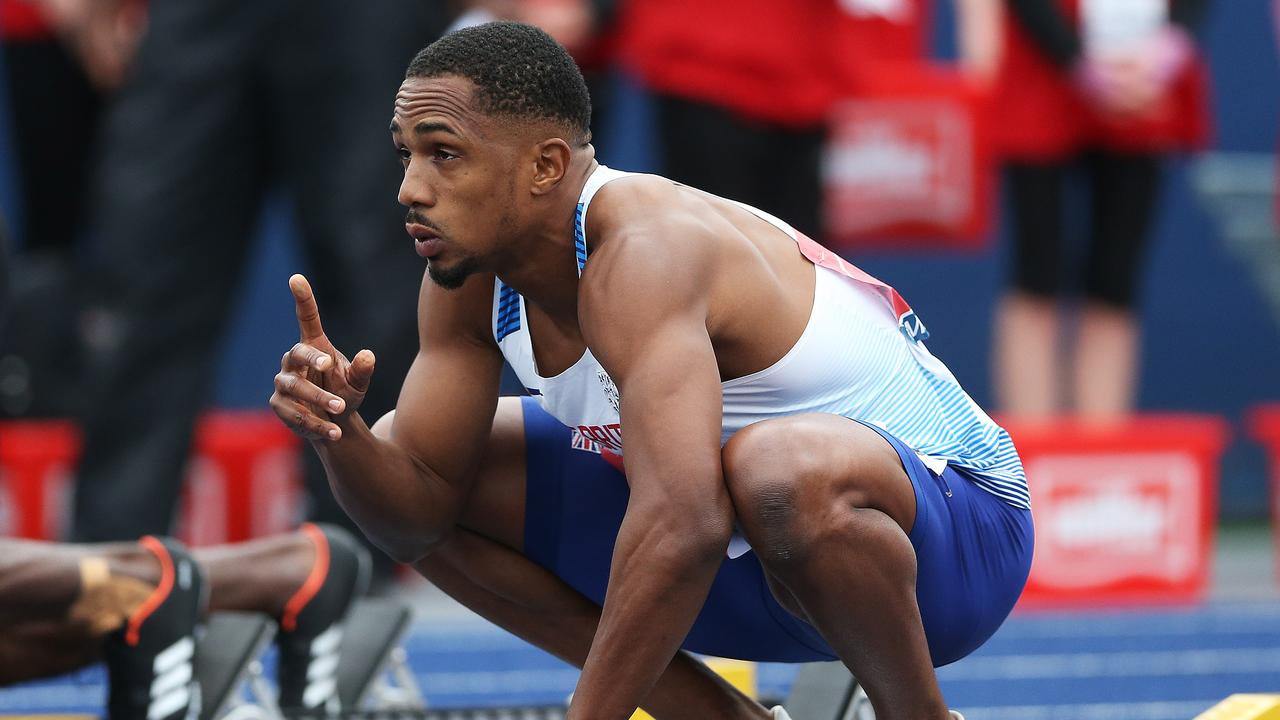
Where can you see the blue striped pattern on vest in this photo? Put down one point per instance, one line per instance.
(580, 237)
(508, 312)
(933, 415)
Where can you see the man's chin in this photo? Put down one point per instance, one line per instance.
(449, 278)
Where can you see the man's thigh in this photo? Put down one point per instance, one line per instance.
(973, 553)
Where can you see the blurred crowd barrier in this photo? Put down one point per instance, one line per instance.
(242, 479)
(1125, 513)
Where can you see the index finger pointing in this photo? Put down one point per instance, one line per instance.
(308, 313)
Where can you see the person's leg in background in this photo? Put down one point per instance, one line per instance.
(789, 177)
(707, 147)
(177, 198)
(1027, 358)
(770, 167)
(54, 112)
(334, 70)
(1125, 188)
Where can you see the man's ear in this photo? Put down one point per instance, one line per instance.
(551, 162)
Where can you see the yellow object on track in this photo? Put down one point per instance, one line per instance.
(1244, 707)
(740, 674)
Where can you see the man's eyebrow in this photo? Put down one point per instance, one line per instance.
(426, 126)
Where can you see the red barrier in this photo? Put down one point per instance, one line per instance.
(1125, 514)
(242, 480)
(36, 462)
(1264, 426)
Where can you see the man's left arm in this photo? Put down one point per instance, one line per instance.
(644, 316)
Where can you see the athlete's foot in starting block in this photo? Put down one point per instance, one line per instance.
(149, 658)
(311, 624)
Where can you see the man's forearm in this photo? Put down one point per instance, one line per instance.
(659, 581)
(400, 504)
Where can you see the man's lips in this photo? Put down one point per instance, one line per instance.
(426, 241)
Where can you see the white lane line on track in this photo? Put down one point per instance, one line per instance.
(1121, 664)
(1228, 618)
(1094, 711)
(499, 682)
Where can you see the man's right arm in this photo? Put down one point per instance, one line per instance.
(405, 490)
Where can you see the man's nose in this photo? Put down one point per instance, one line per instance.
(415, 190)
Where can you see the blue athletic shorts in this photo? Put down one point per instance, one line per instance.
(973, 553)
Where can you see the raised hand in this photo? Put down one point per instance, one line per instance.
(317, 388)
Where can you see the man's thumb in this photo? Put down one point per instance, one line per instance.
(361, 370)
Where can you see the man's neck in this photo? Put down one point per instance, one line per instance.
(546, 271)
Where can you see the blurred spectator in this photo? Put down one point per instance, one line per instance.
(1107, 88)
(46, 47)
(583, 27)
(4, 273)
(223, 102)
(744, 87)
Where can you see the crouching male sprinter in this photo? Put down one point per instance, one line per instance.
(803, 480)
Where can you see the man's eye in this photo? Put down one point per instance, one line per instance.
(404, 154)
(443, 155)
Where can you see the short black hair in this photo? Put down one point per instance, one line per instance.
(518, 71)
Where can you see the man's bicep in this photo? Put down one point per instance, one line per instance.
(671, 408)
(446, 405)
(646, 318)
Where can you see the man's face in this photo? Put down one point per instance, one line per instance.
(459, 178)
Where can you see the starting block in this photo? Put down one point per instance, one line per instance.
(823, 691)
(373, 668)
(1244, 707)
(234, 687)
(227, 658)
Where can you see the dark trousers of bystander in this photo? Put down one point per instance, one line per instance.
(776, 168)
(1123, 189)
(53, 112)
(224, 102)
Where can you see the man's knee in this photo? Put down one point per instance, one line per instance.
(382, 428)
(771, 480)
(794, 480)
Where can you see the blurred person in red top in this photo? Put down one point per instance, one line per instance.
(744, 87)
(60, 59)
(1107, 87)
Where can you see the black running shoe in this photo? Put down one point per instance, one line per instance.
(151, 660)
(310, 636)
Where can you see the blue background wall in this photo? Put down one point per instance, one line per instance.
(1210, 345)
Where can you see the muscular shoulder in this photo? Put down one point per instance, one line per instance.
(647, 234)
(653, 256)
(647, 222)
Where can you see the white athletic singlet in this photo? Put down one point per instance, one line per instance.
(861, 355)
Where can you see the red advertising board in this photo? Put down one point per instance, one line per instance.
(1125, 514)
(1264, 426)
(908, 163)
